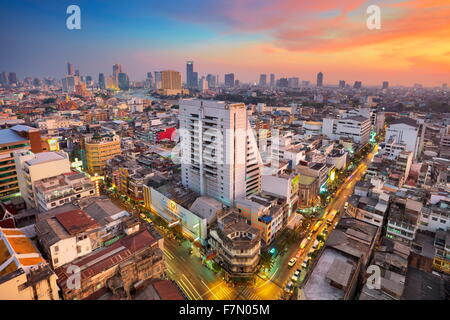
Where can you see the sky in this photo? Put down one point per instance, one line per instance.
(246, 37)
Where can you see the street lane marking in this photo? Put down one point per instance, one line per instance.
(186, 286)
(209, 290)
(193, 287)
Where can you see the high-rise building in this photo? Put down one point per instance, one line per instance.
(191, 81)
(293, 82)
(195, 80)
(101, 81)
(283, 83)
(219, 154)
(357, 85)
(149, 81)
(158, 80)
(203, 84)
(211, 80)
(170, 83)
(12, 78)
(263, 80)
(229, 80)
(385, 85)
(117, 68)
(272, 80)
(320, 79)
(99, 149)
(124, 82)
(15, 139)
(77, 73)
(70, 69)
(4, 78)
(341, 84)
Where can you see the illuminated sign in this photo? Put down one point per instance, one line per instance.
(172, 206)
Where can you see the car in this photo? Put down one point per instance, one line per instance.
(292, 262)
(346, 205)
(289, 288)
(305, 263)
(296, 275)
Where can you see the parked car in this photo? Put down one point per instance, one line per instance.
(289, 288)
(305, 263)
(292, 262)
(296, 275)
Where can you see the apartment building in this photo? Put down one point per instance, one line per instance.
(402, 134)
(32, 167)
(356, 128)
(219, 153)
(15, 139)
(99, 149)
(404, 215)
(59, 190)
(266, 213)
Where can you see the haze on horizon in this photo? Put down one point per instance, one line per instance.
(246, 37)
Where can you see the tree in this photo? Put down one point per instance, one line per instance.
(266, 261)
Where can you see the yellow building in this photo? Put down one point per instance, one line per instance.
(99, 149)
(24, 274)
(171, 83)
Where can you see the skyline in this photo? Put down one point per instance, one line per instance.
(247, 38)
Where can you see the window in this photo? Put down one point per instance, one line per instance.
(55, 261)
(56, 249)
(78, 249)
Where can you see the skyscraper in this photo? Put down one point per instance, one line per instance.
(149, 80)
(357, 85)
(70, 69)
(293, 82)
(211, 81)
(117, 68)
(124, 82)
(191, 82)
(263, 80)
(77, 73)
(341, 83)
(4, 78)
(272, 80)
(101, 81)
(158, 80)
(225, 162)
(385, 85)
(229, 80)
(320, 79)
(12, 78)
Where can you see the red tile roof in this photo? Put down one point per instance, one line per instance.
(167, 290)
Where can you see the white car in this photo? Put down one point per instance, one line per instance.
(296, 275)
(305, 263)
(292, 262)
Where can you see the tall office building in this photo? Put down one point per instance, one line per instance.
(12, 78)
(341, 83)
(149, 81)
(4, 78)
(123, 81)
(70, 69)
(211, 79)
(219, 154)
(170, 79)
(357, 85)
(117, 68)
(229, 80)
(158, 80)
(272, 80)
(385, 85)
(263, 80)
(101, 81)
(293, 82)
(320, 79)
(191, 80)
